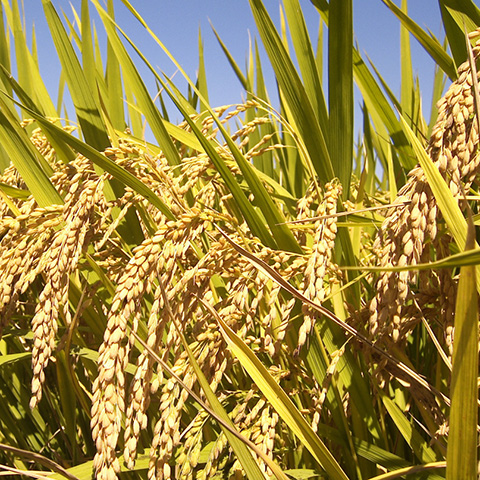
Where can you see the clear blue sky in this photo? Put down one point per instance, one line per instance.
(177, 23)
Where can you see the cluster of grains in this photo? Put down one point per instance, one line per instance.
(155, 256)
(169, 258)
(60, 260)
(323, 243)
(167, 428)
(154, 289)
(411, 233)
(48, 242)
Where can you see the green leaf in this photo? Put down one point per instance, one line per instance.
(62, 151)
(458, 15)
(306, 60)
(231, 60)
(28, 72)
(407, 87)
(463, 436)
(201, 75)
(293, 91)
(14, 357)
(340, 90)
(135, 82)
(302, 473)
(93, 128)
(27, 160)
(88, 56)
(113, 80)
(471, 257)
(413, 438)
(381, 110)
(14, 192)
(244, 456)
(251, 217)
(429, 43)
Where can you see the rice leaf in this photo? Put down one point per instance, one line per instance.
(63, 151)
(407, 87)
(428, 42)
(202, 75)
(421, 470)
(377, 103)
(134, 80)
(93, 128)
(463, 436)
(244, 456)
(306, 60)
(88, 56)
(113, 80)
(340, 90)
(26, 160)
(28, 72)
(14, 192)
(413, 438)
(456, 16)
(14, 357)
(293, 91)
(238, 72)
(67, 396)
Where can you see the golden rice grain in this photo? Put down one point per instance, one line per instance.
(325, 233)
(410, 233)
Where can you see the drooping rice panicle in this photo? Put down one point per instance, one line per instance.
(410, 233)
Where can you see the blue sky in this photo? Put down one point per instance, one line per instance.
(177, 24)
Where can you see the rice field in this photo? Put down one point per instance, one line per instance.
(257, 293)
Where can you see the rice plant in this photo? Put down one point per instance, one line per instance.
(249, 293)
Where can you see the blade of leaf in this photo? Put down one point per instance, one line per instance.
(340, 90)
(88, 57)
(380, 108)
(114, 83)
(28, 71)
(413, 438)
(86, 108)
(306, 60)
(244, 456)
(231, 60)
(455, 16)
(406, 95)
(463, 437)
(294, 93)
(201, 75)
(62, 151)
(133, 78)
(251, 217)
(26, 160)
(430, 44)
